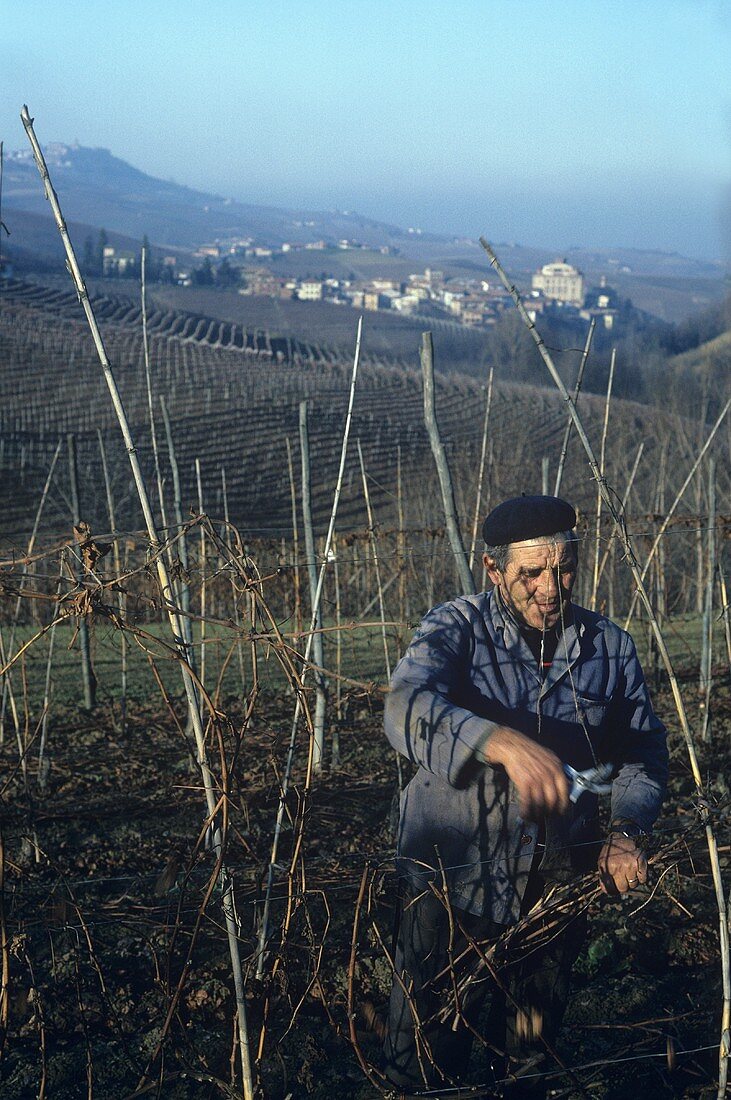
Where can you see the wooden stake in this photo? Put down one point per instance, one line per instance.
(466, 580)
(575, 398)
(706, 678)
(311, 554)
(88, 678)
(118, 572)
(295, 540)
(602, 455)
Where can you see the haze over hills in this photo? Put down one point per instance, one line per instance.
(98, 189)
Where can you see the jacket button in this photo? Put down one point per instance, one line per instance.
(526, 839)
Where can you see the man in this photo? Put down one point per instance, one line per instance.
(495, 694)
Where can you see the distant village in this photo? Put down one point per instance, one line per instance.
(241, 264)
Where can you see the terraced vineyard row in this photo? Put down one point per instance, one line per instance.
(234, 412)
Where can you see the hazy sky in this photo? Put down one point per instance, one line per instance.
(548, 122)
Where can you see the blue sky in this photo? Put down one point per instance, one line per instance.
(549, 123)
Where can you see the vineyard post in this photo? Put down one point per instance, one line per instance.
(166, 589)
(311, 555)
(87, 672)
(725, 1040)
(575, 398)
(545, 474)
(481, 471)
(706, 677)
(609, 551)
(295, 540)
(236, 615)
(602, 459)
(117, 572)
(466, 580)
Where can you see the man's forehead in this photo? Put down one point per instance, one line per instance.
(537, 551)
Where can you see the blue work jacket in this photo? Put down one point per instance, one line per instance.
(467, 671)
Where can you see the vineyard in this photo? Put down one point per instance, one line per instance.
(141, 856)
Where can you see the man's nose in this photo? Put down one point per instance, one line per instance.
(549, 582)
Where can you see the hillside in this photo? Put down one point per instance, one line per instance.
(98, 190)
(233, 396)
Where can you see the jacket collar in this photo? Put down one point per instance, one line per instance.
(567, 650)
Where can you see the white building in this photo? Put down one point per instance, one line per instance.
(310, 291)
(560, 281)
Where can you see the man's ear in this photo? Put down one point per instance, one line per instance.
(492, 570)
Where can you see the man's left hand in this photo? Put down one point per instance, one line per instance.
(622, 865)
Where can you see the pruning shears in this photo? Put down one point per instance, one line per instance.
(595, 780)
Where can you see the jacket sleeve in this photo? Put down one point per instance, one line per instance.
(639, 746)
(421, 720)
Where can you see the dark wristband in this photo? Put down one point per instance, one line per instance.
(630, 829)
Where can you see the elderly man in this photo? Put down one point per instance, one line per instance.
(495, 695)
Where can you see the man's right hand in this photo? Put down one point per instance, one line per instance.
(537, 773)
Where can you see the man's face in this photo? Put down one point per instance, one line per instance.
(537, 581)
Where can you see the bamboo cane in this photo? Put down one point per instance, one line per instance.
(726, 611)
(725, 1042)
(623, 505)
(480, 474)
(263, 932)
(118, 572)
(338, 656)
(706, 683)
(602, 455)
(166, 589)
(376, 566)
(575, 398)
(466, 580)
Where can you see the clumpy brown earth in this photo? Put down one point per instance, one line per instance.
(118, 968)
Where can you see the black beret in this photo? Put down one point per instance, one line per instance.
(522, 518)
